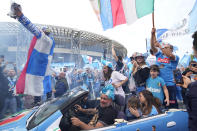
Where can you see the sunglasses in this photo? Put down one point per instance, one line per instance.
(193, 65)
(139, 57)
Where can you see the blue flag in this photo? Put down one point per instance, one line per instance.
(193, 19)
(160, 32)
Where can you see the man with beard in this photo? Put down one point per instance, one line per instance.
(101, 117)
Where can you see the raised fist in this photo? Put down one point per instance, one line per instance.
(16, 10)
(153, 30)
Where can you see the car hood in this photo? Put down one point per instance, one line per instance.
(16, 121)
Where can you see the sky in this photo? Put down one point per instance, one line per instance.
(78, 14)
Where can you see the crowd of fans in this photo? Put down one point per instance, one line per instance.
(157, 78)
(141, 91)
(128, 93)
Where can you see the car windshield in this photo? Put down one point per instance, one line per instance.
(48, 108)
(29, 78)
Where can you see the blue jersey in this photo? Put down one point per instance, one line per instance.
(166, 67)
(156, 87)
(30, 26)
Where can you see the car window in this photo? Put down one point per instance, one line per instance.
(48, 108)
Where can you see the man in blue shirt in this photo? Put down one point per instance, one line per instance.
(167, 62)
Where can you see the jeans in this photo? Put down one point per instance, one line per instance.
(172, 97)
(178, 93)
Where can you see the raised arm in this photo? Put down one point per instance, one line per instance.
(114, 53)
(154, 42)
(25, 21)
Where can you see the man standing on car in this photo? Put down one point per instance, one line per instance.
(167, 62)
(35, 78)
(105, 114)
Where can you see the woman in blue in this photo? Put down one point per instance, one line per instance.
(150, 105)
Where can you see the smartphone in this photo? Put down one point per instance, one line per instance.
(178, 76)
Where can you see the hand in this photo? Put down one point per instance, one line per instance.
(186, 81)
(194, 69)
(54, 74)
(135, 63)
(116, 85)
(16, 10)
(75, 121)
(153, 31)
(189, 73)
(53, 90)
(78, 108)
(135, 112)
(167, 102)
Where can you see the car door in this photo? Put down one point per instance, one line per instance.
(169, 121)
(172, 120)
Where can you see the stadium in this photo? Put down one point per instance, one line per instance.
(70, 44)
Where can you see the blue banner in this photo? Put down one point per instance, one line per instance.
(193, 19)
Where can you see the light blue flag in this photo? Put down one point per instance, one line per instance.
(106, 14)
(185, 60)
(96, 64)
(87, 59)
(193, 19)
(160, 32)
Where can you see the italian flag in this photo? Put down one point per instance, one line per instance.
(136, 9)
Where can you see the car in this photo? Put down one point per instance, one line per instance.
(49, 115)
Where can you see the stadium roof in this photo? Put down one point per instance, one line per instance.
(13, 27)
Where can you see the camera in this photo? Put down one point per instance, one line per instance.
(132, 58)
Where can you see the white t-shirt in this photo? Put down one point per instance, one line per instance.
(116, 78)
(151, 60)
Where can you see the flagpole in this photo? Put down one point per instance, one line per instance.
(153, 20)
